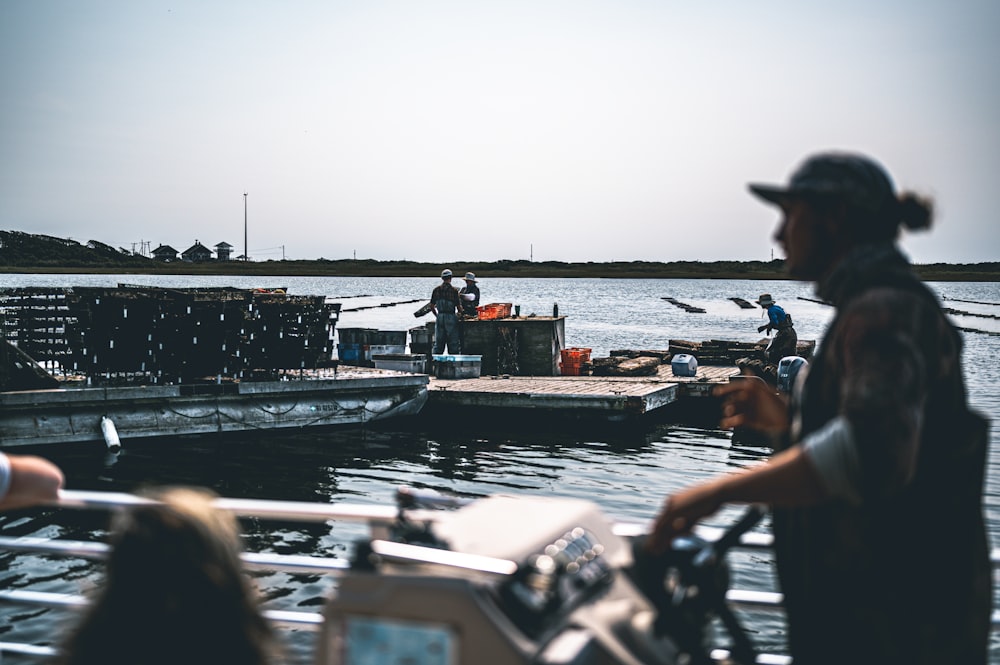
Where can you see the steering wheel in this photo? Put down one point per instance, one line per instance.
(687, 585)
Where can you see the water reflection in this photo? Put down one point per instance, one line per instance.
(626, 470)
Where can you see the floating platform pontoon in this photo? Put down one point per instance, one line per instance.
(618, 396)
(68, 415)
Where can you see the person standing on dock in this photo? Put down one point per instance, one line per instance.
(876, 483)
(470, 295)
(785, 341)
(446, 304)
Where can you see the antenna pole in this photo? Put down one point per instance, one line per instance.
(246, 254)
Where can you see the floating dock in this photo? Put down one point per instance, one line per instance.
(134, 362)
(71, 415)
(613, 397)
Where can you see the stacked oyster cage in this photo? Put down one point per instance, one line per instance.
(149, 335)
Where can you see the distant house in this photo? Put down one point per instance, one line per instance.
(196, 253)
(223, 251)
(165, 253)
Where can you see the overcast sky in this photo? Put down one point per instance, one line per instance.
(446, 131)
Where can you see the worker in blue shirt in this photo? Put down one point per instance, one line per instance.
(785, 341)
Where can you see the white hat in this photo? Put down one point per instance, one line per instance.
(470, 277)
(445, 273)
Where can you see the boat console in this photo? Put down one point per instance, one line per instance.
(516, 580)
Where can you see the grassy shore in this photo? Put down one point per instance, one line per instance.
(22, 252)
(760, 270)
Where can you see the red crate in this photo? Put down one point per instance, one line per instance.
(570, 369)
(487, 312)
(494, 310)
(575, 354)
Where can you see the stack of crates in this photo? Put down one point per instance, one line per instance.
(422, 339)
(154, 335)
(34, 319)
(388, 342)
(290, 332)
(494, 310)
(574, 361)
(355, 345)
(200, 334)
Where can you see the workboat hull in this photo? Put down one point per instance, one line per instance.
(67, 415)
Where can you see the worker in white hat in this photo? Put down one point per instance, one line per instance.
(446, 304)
(470, 295)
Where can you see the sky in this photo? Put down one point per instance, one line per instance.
(444, 131)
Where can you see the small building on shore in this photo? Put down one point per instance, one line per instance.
(196, 253)
(165, 253)
(223, 251)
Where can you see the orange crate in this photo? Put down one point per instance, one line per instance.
(575, 354)
(494, 310)
(486, 312)
(570, 369)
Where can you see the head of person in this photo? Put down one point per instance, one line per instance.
(174, 589)
(834, 202)
(446, 275)
(470, 278)
(765, 300)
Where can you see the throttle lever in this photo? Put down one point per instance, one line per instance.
(687, 585)
(715, 550)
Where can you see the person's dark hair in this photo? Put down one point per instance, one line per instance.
(909, 210)
(916, 212)
(174, 592)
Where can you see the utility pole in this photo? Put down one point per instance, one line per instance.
(246, 254)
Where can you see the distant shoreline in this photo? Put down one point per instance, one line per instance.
(755, 270)
(22, 252)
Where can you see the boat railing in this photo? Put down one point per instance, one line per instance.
(315, 512)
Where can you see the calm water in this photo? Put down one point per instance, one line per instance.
(627, 473)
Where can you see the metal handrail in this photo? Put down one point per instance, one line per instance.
(291, 563)
(308, 620)
(299, 511)
(303, 511)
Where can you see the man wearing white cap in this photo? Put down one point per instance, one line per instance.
(446, 303)
(786, 340)
(470, 295)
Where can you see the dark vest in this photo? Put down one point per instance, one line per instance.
(903, 578)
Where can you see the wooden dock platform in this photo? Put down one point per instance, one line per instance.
(593, 395)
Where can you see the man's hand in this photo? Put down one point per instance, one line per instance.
(681, 511)
(749, 402)
(762, 328)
